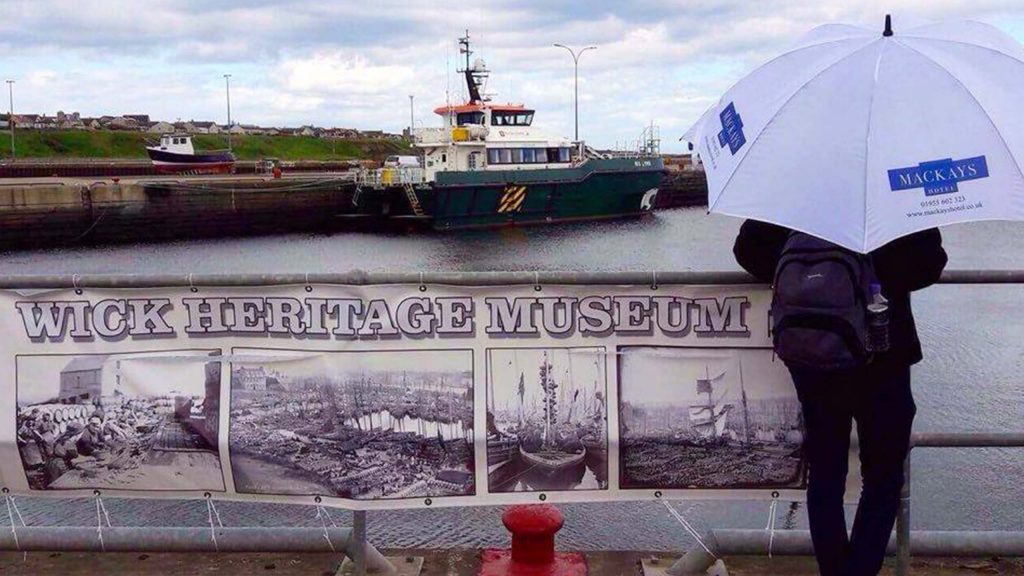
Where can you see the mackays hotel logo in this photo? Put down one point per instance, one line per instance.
(938, 176)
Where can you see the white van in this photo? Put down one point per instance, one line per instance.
(402, 162)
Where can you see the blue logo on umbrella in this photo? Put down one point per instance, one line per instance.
(938, 176)
(732, 129)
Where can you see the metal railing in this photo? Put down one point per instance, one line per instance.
(393, 176)
(961, 543)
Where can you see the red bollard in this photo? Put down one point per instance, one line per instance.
(533, 529)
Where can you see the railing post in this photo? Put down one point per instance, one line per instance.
(903, 523)
(359, 542)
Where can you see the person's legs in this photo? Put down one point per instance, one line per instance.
(884, 413)
(828, 411)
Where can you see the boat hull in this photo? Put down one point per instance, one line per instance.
(165, 162)
(595, 190)
(552, 460)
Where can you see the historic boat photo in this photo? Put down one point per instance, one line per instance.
(361, 425)
(707, 418)
(142, 421)
(547, 425)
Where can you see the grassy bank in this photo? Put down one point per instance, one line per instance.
(100, 144)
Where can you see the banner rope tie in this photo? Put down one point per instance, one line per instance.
(211, 512)
(101, 515)
(771, 522)
(320, 514)
(12, 510)
(689, 528)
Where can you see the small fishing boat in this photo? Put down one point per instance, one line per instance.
(176, 155)
(708, 418)
(501, 449)
(595, 446)
(553, 459)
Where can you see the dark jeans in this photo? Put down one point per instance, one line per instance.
(879, 399)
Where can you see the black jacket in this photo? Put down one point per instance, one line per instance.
(903, 265)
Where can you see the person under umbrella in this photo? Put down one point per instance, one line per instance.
(845, 154)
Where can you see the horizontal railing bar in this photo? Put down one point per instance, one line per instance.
(159, 539)
(967, 440)
(358, 277)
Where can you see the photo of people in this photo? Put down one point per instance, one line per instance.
(139, 421)
(707, 418)
(547, 425)
(362, 425)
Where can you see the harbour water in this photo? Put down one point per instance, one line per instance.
(969, 381)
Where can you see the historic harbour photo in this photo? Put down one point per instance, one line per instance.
(547, 426)
(707, 418)
(361, 425)
(138, 421)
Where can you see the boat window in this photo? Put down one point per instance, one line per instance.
(493, 156)
(528, 155)
(524, 118)
(517, 155)
(506, 155)
(540, 155)
(564, 154)
(464, 118)
(444, 158)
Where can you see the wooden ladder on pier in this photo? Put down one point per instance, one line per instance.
(414, 202)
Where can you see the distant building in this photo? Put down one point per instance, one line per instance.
(140, 119)
(206, 127)
(161, 128)
(251, 379)
(87, 379)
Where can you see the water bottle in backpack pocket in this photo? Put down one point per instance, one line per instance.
(820, 317)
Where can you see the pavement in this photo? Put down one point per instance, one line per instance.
(436, 563)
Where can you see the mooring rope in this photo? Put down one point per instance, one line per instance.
(689, 528)
(101, 515)
(12, 510)
(771, 523)
(211, 512)
(322, 516)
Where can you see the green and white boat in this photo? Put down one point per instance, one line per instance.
(487, 165)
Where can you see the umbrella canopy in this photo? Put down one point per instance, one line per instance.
(862, 136)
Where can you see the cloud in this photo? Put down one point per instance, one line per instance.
(346, 63)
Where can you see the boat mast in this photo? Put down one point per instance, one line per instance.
(746, 413)
(475, 77)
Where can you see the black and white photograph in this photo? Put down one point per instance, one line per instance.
(547, 427)
(138, 421)
(707, 418)
(361, 425)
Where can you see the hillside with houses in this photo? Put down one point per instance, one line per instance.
(143, 123)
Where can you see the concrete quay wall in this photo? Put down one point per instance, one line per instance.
(74, 212)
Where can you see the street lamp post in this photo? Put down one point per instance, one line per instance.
(412, 116)
(10, 114)
(227, 92)
(576, 81)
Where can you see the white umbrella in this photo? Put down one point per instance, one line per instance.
(862, 136)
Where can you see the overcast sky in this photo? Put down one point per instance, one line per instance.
(353, 64)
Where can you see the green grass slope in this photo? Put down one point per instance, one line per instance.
(102, 144)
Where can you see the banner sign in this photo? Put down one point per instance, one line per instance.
(392, 396)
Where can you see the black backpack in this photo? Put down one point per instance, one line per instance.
(819, 304)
